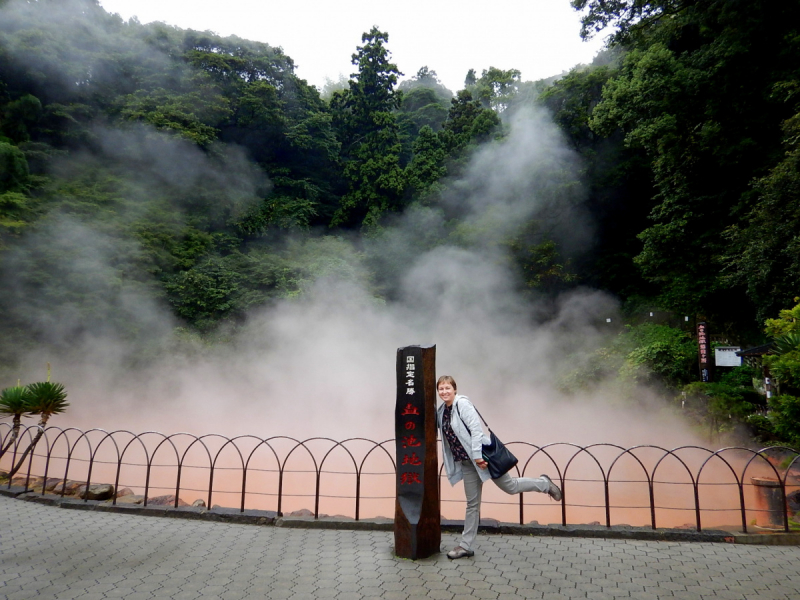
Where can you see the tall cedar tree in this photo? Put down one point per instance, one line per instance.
(369, 134)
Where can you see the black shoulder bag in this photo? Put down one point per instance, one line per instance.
(499, 458)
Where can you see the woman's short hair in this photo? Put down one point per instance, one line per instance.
(446, 379)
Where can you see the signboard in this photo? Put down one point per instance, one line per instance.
(704, 349)
(725, 356)
(417, 522)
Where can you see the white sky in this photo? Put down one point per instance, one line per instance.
(538, 37)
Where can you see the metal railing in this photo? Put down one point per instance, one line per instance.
(693, 479)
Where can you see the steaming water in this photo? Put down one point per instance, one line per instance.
(321, 363)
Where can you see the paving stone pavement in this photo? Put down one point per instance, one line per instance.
(47, 552)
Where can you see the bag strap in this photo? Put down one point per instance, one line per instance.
(479, 414)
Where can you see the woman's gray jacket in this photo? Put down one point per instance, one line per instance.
(471, 437)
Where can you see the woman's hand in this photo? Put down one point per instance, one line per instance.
(482, 463)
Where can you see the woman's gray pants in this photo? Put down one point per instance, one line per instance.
(472, 489)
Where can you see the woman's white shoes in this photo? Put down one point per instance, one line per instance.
(553, 490)
(459, 552)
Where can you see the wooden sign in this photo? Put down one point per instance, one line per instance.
(704, 351)
(417, 518)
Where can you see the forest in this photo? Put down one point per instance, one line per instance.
(144, 164)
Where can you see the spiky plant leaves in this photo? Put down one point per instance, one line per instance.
(15, 401)
(47, 398)
(786, 343)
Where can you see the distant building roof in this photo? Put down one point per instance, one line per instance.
(756, 350)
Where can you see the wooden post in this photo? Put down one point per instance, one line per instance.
(417, 517)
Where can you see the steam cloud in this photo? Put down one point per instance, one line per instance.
(323, 363)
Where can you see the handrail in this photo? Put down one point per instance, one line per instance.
(690, 468)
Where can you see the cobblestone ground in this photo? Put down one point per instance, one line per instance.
(47, 552)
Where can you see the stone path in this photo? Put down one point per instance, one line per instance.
(47, 552)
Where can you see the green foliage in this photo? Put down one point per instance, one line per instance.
(696, 92)
(16, 401)
(204, 294)
(370, 135)
(765, 247)
(13, 169)
(724, 403)
(646, 353)
(46, 399)
(496, 88)
(661, 351)
(468, 124)
(540, 262)
(184, 114)
(784, 358)
(15, 210)
(631, 18)
(784, 417)
(18, 116)
(427, 168)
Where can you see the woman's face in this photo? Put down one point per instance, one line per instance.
(446, 392)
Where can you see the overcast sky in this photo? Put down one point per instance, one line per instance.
(538, 37)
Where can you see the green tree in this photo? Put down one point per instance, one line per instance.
(427, 166)
(723, 404)
(629, 17)
(370, 138)
(13, 169)
(784, 359)
(764, 255)
(646, 353)
(468, 124)
(695, 94)
(14, 401)
(45, 399)
(618, 181)
(496, 88)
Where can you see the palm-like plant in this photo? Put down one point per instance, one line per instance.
(14, 401)
(786, 343)
(46, 399)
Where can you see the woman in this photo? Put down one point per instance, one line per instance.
(462, 442)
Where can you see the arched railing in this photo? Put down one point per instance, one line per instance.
(252, 472)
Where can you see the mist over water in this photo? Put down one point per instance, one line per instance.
(322, 363)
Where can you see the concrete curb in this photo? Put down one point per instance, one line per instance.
(491, 526)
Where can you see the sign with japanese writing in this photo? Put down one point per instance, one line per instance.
(704, 350)
(417, 517)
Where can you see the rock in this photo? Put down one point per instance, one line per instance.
(303, 512)
(36, 484)
(130, 499)
(124, 492)
(199, 502)
(168, 500)
(100, 491)
(793, 501)
(69, 487)
(20, 480)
